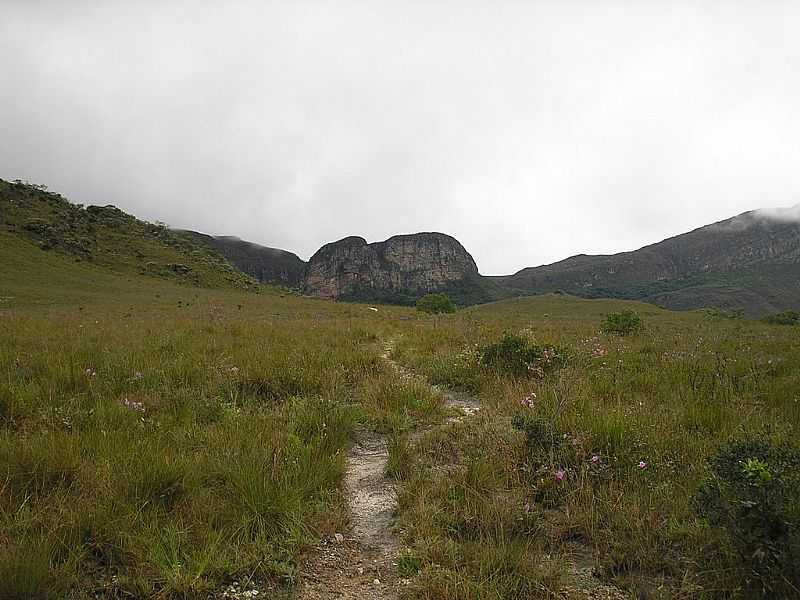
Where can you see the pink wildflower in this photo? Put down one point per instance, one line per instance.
(560, 474)
(596, 459)
(642, 464)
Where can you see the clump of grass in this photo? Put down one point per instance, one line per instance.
(400, 459)
(397, 403)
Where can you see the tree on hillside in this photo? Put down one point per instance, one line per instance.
(435, 304)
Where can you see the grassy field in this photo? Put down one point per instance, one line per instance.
(159, 440)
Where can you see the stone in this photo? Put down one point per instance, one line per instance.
(404, 265)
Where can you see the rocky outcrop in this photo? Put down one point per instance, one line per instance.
(402, 268)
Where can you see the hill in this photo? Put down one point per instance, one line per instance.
(750, 262)
(108, 237)
(267, 265)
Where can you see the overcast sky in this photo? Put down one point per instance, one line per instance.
(529, 130)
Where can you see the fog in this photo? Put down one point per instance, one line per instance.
(530, 131)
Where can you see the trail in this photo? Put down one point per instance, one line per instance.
(362, 564)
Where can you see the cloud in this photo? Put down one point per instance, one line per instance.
(790, 214)
(529, 131)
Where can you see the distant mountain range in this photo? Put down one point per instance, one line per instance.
(750, 262)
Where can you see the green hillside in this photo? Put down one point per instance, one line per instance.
(106, 236)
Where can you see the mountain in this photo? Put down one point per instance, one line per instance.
(108, 237)
(400, 269)
(749, 262)
(267, 265)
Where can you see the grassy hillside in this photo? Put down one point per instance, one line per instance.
(267, 265)
(164, 441)
(107, 237)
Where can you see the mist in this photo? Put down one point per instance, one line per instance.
(529, 131)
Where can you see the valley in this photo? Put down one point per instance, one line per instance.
(165, 440)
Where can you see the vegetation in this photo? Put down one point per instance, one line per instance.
(107, 237)
(752, 493)
(519, 357)
(160, 441)
(435, 304)
(787, 317)
(604, 456)
(625, 322)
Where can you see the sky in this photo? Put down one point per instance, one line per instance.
(530, 131)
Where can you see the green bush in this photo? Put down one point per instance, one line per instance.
(625, 322)
(753, 495)
(787, 317)
(521, 358)
(435, 304)
(541, 435)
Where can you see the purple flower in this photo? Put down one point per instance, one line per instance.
(560, 474)
(596, 459)
(642, 465)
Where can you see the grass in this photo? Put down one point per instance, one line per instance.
(667, 398)
(161, 441)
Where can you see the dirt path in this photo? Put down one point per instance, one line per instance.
(362, 563)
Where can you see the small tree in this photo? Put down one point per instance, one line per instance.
(435, 304)
(625, 322)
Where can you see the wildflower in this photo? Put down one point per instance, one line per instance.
(560, 474)
(527, 508)
(596, 459)
(642, 465)
(133, 405)
(234, 369)
(529, 400)
(90, 372)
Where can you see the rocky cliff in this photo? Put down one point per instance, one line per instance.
(402, 268)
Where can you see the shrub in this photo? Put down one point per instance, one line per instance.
(625, 322)
(435, 304)
(787, 317)
(521, 358)
(541, 435)
(753, 495)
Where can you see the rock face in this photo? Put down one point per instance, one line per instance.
(403, 268)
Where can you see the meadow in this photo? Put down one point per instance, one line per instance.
(162, 441)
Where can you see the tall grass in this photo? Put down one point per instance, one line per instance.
(168, 452)
(637, 418)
